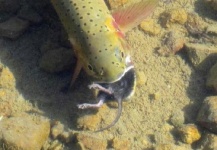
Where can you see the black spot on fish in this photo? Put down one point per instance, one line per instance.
(90, 67)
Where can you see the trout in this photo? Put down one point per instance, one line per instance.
(98, 39)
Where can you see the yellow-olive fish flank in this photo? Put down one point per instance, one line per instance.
(97, 36)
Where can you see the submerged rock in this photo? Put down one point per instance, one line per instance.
(211, 81)
(173, 16)
(208, 142)
(13, 27)
(202, 56)
(121, 144)
(189, 133)
(207, 116)
(90, 142)
(57, 60)
(172, 43)
(150, 27)
(24, 132)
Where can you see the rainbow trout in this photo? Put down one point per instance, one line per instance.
(97, 36)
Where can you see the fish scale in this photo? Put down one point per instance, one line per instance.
(97, 42)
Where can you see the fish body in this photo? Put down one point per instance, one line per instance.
(98, 40)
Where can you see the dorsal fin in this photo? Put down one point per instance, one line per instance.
(129, 17)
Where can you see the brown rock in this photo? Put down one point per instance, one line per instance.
(171, 44)
(24, 132)
(207, 116)
(202, 56)
(121, 144)
(211, 81)
(189, 133)
(13, 28)
(57, 60)
(90, 142)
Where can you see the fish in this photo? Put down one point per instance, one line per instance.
(98, 39)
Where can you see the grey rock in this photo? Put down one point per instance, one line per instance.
(13, 27)
(207, 116)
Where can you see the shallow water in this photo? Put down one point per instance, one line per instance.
(171, 84)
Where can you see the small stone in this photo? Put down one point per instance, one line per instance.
(10, 6)
(116, 3)
(56, 145)
(177, 119)
(171, 44)
(92, 122)
(211, 81)
(24, 132)
(141, 78)
(66, 137)
(156, 95)
(189, 133)
(150, 27)
(57, 60)
(174, 16)
(209, 142)
(207, 116)
(202, 56)
(13, 27)
(90, 142)
(121, 144)
(28, 13)
(56, 130)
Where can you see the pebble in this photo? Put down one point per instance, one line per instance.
(24, 132)
(141, 78)
(189, 133)
(90, 142)
(211, 80)
(207, 116)
(57, 60)
(13, 27)
(121, 144)
(177, 119)
(173, 16)
(150, 27)
(202, 56)
(171, 44)
(56, 130)
(28, 13)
